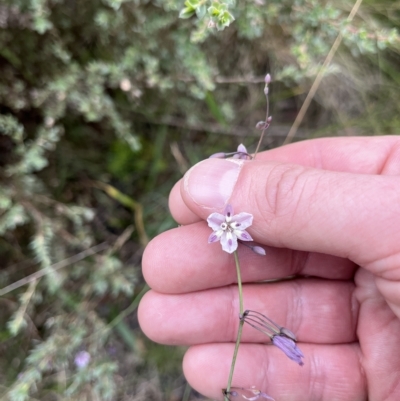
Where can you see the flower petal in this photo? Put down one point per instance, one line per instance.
(242, 220)
(229, 242)
(215, 236)
(228, 212)
(242, 148)
(243, 235)
(215, 220)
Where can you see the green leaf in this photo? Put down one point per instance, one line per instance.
(201, 11)
(213, 11)
(186, 13)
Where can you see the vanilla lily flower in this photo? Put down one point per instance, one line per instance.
(228, 228)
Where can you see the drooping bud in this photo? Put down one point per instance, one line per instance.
(258, 250)
(289, 347)
(260, 125)
(281, 337)
(219, 155)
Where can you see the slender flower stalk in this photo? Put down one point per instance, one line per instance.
(240, 328)
(268, 118)
(230, 229)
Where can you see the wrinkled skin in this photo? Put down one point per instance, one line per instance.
(326, 211)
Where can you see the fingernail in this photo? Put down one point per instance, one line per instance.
(210, 183)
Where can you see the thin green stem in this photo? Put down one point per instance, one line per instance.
(239, 280)
(240, 328)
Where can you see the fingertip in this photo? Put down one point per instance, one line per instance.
(143, 309)
(180, 212)
(153, 319)
(203, 375)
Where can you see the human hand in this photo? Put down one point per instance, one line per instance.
(331, 218)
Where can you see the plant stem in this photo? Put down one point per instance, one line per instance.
(264, 129)
(240, 328)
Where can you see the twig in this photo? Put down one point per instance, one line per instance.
(56, 266)
(318, 79)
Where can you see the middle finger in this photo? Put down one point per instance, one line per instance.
(317, 311)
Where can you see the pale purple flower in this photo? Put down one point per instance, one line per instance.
(82, 359)
(251, 394)
(289, 347)
(228, 228)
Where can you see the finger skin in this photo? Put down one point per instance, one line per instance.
(180, 212)
(330, 372)
(318, 311)
(181, 260)
(362, 155)
(378, 330)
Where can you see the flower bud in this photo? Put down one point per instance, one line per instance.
(260, 125)
(258, 250)
(219, 155)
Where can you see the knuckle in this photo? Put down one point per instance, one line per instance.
(285, 190)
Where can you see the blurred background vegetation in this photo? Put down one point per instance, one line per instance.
(104, 104)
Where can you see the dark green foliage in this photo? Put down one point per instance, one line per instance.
(103, 106)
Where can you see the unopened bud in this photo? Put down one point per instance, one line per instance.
(241, 148)
(219, 155)
(260, 125)
(267, 79)
(259, 251)
(269, 119)
(266, 90)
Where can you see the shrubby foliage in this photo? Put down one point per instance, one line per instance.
(103, 105)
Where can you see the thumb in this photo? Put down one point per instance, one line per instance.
(344, 214)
